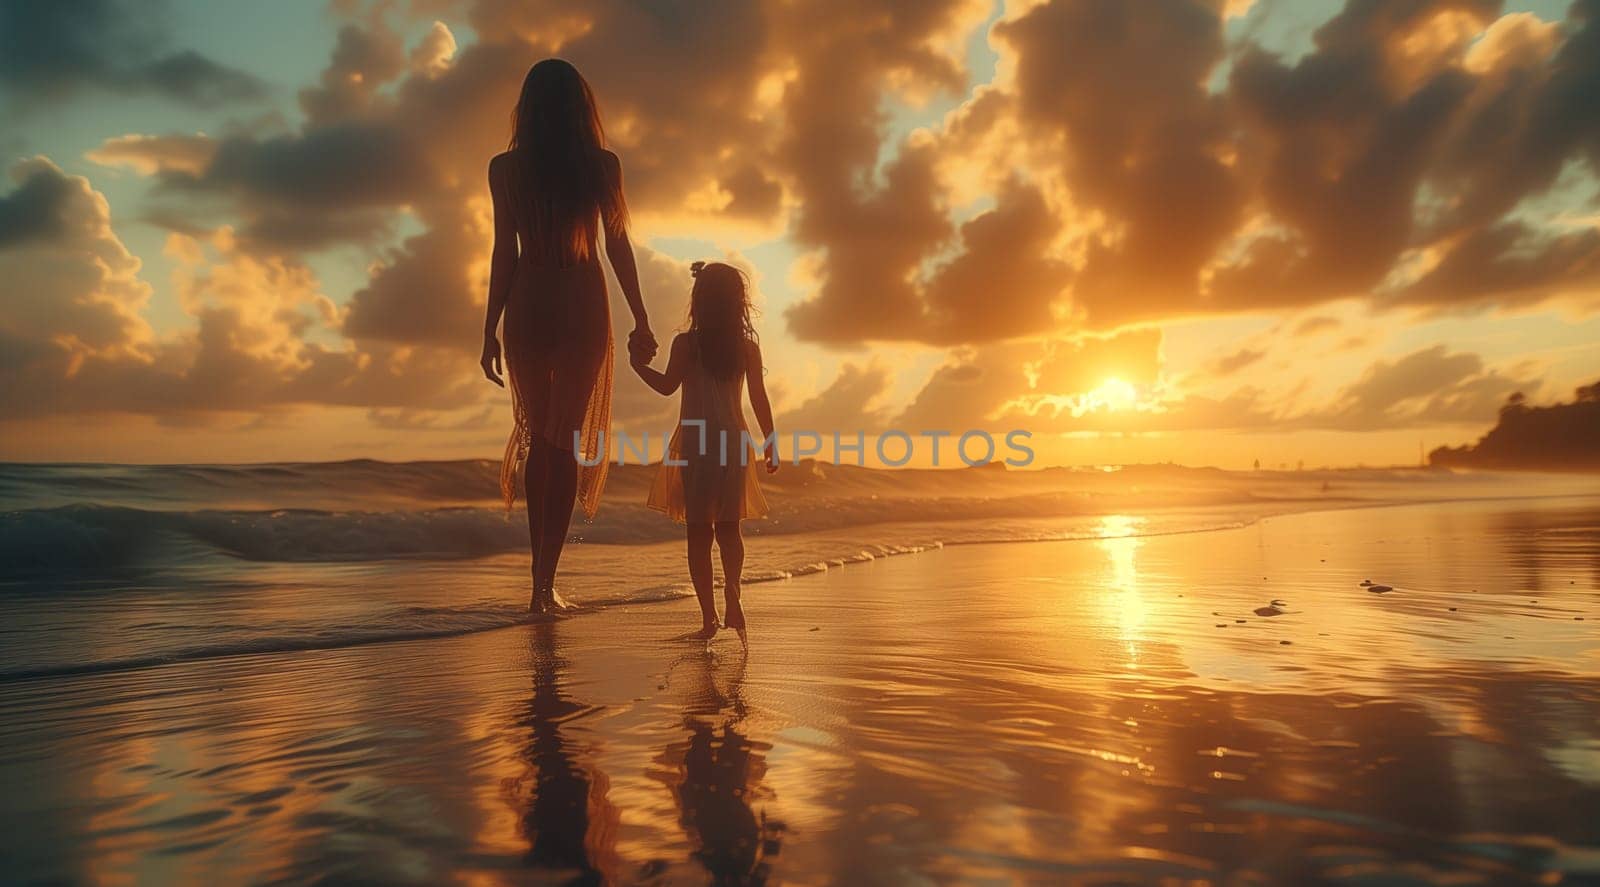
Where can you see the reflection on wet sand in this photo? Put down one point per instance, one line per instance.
(715, 772)
(566, 817)
(1063, 712)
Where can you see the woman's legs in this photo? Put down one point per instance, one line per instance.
(559, 472)
(730, 543)
(700, 535)
(535, 473)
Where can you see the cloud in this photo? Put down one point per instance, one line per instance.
(1238, 360)
(1148, 152)
(1040, 230)
(1311, 326)
(1431, 386)
(71, 284)
(870, 234)
(688, 99)
(151, 154)
(853, 401)
(997, 386)
(76, 341)
(1512, 263)
(50, 51)
(433, 55)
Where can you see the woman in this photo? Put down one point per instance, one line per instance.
(555, 191)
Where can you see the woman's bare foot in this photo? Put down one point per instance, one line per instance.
(547, 600)
(735, 620)
(706, 632)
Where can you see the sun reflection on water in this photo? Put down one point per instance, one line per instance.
(1119, 539)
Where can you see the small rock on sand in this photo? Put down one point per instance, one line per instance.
(1380, 589)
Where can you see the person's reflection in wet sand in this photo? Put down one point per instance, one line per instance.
(570, 825)
(715, 774)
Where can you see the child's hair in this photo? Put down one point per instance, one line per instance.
(719, 317)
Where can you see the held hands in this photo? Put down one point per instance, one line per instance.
(772, 458)
(490, 361)
(641, 346)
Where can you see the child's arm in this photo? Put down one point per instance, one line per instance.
(756, 379)
(664, 383)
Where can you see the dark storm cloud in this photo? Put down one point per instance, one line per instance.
(49, 50)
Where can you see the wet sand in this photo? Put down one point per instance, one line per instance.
(1101, 711)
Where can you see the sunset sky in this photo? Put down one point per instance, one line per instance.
(1201, 232)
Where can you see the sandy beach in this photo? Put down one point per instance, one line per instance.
(1224, 707)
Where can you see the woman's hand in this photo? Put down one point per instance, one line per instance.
(490, 361)
(641, 345)
(772, 458)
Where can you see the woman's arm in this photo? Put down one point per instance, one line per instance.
(620, 251)
(667, 382)
(502, 264)
(755, 378)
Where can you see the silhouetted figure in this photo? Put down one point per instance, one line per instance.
(556, 191)
(568, 821)
(708, 479)
(716, 778)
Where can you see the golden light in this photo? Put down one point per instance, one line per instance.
(1113, 394)
(1123, 600)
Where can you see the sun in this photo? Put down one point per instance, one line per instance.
(1114, 394)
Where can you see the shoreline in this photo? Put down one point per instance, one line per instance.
(680, 592)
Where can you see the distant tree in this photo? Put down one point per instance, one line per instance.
(1558, 437)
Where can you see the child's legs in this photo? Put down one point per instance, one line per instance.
(700, 535)
(730, 543)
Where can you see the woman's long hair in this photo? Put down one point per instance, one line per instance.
(720, 317)
(565, 177)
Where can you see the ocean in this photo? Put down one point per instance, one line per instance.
(108, 567)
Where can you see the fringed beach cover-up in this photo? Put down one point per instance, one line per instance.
(558, 356)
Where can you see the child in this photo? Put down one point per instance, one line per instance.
(708, 478)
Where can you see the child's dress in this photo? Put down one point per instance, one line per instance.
(713, 482)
